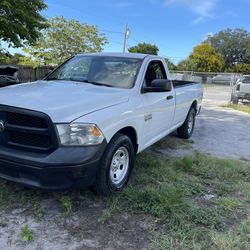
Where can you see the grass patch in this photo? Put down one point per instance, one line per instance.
(39, 212)
(172, 190)
(172, 142)
(228, 204)
(27, 234)
(158, 202)
(243, 108)
(233, 239)
(208, 85)
(12, 195)
(66, 204)
(105, 215)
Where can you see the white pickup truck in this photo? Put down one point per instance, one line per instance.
(242, 89)
(84, 123)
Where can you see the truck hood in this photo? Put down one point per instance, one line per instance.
(63, 101)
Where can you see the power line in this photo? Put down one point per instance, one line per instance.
(110, 41)
(111, 31)
(135, 40)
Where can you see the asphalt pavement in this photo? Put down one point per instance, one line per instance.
(221, 131)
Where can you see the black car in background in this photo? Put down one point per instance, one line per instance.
(8, 75)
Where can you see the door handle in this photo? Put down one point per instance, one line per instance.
(170, 97)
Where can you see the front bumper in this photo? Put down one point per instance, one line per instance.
(65, 168)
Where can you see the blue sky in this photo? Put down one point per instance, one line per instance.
(175, 26)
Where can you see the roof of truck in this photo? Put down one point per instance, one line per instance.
(114, 54)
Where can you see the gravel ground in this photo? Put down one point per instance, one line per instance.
(218, 131)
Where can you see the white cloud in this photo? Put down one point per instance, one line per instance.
(203, 8)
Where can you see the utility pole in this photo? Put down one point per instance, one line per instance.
(126, 35)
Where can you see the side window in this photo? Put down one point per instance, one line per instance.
(154, 71)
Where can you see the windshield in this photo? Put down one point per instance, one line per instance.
(108, 71)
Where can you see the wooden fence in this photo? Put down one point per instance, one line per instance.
(29, 74)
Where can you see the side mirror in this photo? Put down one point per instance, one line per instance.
(159, 85)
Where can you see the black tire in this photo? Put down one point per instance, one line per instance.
(235, 100)
(185, 131)
(104, 184)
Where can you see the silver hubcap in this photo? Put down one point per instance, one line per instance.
(190, 123)
(119, 165)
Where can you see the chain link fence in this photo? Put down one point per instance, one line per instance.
(226, 79)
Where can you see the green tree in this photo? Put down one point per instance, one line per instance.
(7, 58)
(63, 39)
(186, 65)
(171, 65)
(144, 48)
(4, 55)
(15, 59)
(20, 21)
(234, 45)
(242, 68)
(206, 59)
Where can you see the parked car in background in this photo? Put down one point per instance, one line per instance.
(222, 79)
(84, 123)
(242, 89)
(8, 75)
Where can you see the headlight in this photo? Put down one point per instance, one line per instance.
(76, 134)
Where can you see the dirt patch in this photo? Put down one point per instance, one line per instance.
(173, 146)
(173, 142)
(80, 229)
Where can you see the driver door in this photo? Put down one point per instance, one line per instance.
(159, 107)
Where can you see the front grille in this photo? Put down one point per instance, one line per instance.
(25, 120)
(27, 130)
(41, 141)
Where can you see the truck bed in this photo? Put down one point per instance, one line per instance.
(179, 83)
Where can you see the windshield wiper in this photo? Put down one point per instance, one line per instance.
(51, 79)
(65, 79)
(78, 80)
(97, 83)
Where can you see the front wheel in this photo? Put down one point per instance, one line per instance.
(187, 128)
(115, 165)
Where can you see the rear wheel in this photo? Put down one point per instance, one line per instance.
(115, 166)
(187, 128)
(235, 100)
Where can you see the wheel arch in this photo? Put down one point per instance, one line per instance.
(195, 106)
(132, 134)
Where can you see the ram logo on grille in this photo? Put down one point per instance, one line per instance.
(2, 127)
